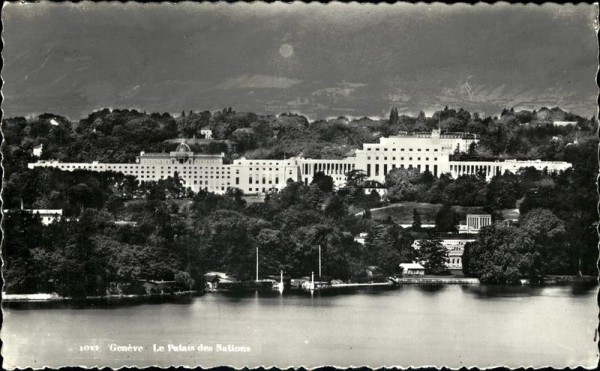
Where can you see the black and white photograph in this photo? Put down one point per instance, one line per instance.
(299, 184)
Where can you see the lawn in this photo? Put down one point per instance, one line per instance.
(402, 213)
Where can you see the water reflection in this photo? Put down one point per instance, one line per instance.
(583, 288)
(501, 291)
(411, 325)
(498, 291)
(431, 288)
(102, 303)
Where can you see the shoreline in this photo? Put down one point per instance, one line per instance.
(54, 298)
(16, 299)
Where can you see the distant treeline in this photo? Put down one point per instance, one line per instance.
(119, 135)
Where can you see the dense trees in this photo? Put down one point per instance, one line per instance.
(446, 219)
(387, 245)
(433, 255)
(80, 257)
(537, 247)
(176, 235)
(394, 118)
(416, 224)
(403, 184)
(324, 182)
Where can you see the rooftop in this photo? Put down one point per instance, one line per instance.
(183, 147)
(447, 135)
(167, 155)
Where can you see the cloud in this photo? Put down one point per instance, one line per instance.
(398, 97)
(503, 96)
(341, 90)
(333, 92)
(258, 82)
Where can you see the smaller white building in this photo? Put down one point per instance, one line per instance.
(564, 123)
(423, 225)
(361, 238)
(48, 216)
(412, 269)
(372, 185)
(477, 221)
(37, 150)
(121, 223)
(206, 133)
(455, 247)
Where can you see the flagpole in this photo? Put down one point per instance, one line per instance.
(319, 262)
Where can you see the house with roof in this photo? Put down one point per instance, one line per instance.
(369, 186)
(412, 269)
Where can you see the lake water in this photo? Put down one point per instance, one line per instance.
(412, 326)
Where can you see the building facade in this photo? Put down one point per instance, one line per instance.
(475, 222)
(47, 216)
(196, 171)
(489, 169)
(206, 133)
(261, 176)
(412, 269)
(421, 151)
(455, 247)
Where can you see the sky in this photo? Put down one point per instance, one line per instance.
(319, 60)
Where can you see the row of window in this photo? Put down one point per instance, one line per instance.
(402, 149)
(410, 166)
(328, 168)
(135, 167)
(267, 163)
(263, 169)
(257, 180)
(402, 158)
(175, 162)
(258, 189)
(171, 159)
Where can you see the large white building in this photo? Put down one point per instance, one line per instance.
(261, 176)
(196, 171)
(422, 151)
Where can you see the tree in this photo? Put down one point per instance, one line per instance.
(394, 119)
(502, 192)
(325, 182)
(23, 232)
(388, 245)
(416, 224)
(446, 219)
(433, 255)
(264, 133)
(494, 256)
(466, 190)
(230, 244)
(335, 207)
(402, 184)
(244, 139)
(355, 177)
(184, 280)
(534, 249)
(548, 251)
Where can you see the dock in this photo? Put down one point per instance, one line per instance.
(370, 284)
(437, 280)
